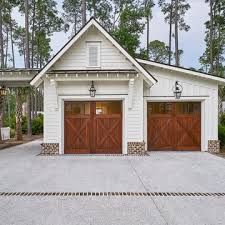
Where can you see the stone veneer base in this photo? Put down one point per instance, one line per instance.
(214, 146)
(136, 148)
(50, 149)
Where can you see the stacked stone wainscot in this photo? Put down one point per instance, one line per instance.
(50, 149)
(136, 148)
(214, 146)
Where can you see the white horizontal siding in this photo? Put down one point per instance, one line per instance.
(102, 87)
(192, 88)
(76, 57)
(51, 120)
(135, 115)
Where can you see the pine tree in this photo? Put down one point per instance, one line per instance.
(174, 12)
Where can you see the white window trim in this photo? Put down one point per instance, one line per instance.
(93, 43)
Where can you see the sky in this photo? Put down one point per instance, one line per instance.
(192, 42)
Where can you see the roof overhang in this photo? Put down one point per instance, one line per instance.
(17, 77)
(92, 22)
(219, 80)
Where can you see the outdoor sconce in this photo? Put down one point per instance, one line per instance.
(177, 90)
(3, 91)
(92, 90)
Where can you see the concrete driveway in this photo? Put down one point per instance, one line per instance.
(21, 170)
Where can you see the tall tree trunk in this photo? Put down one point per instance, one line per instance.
(170, 32)
(32, 35)
(94, 8)
(176, 34)
(1, 39)
(211, 36)
(1, 117)
(35, 102)
(12, 44)
(29, 127)
(6, 48)
(83, 9)
(27, 50)
(27, 63)
(148, 29)
(19, 115)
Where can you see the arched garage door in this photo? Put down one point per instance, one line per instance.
(174, 126)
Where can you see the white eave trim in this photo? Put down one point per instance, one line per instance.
(219, 80)
(36, 79)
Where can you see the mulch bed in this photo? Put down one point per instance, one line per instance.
(13, 142)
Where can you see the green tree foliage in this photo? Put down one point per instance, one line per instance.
(130, 26)
(169, 10)
(7, 24)
(124, 19)
(158, 52)
(43, 21)
(213, 58)
(72, 15)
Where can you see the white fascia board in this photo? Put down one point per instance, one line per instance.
(219, 80)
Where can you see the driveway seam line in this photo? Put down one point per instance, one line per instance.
(134, 169)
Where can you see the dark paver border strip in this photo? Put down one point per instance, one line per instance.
(94, 155)
(99, 194)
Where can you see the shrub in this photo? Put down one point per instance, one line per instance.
(12, 133)
(37, 124)
(222, 120)
(222, 135)
(9, 122)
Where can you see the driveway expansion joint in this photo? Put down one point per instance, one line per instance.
(102, 194)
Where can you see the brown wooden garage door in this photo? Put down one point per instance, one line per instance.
(93, 127)
(174, 126)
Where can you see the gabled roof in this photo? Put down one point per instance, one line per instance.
(92, 22)
(211, 77)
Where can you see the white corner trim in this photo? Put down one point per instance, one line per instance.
(130, 93)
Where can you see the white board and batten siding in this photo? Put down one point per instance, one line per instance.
(194, 89)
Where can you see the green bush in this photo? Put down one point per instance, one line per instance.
(222, 135)
(222, 120)
(12, 133)
(9, 122)
(37, 124)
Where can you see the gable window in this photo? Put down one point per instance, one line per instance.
(93, 54)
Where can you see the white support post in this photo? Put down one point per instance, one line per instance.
(130, 93)
(54, 85)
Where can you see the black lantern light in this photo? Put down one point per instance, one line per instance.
(3, 91)
(177, 90)
(92, 89)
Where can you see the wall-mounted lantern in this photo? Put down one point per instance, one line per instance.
(177, 90)
(3, 91)
(92, 89)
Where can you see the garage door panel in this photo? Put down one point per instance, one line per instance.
(108, 134)
(188, 132)
(93, 127)
(174, 126)
(77, 135)
(160, 130)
